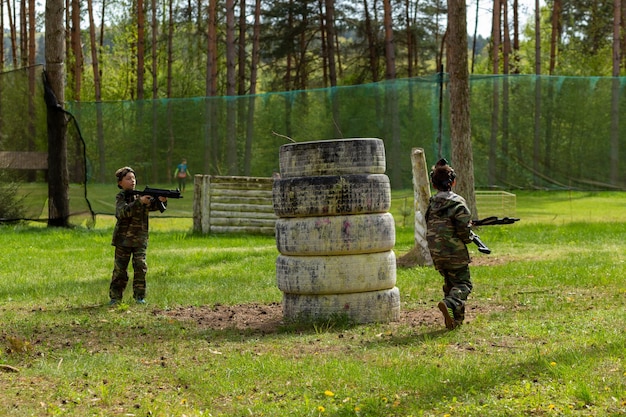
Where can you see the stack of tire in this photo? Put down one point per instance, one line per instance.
(334, 232)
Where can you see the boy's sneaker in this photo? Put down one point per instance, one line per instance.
(448, 315)
(114, 302)
(140, 301)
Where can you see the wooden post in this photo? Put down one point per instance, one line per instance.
(206, 204)
(421, 196)
(202, 203)
(420, 254)
(197, 203)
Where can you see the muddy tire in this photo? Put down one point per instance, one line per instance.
(332, 157)
(336, 274)
(365, 307)
(335, 235)
(331, 195)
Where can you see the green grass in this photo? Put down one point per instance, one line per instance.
(545, 334)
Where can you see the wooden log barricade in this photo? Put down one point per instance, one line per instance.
(334, 233)
(233, 204)
(24, 160)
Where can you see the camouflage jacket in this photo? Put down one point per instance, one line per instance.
(131, 229)
(448, 232)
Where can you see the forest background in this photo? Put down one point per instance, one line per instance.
(225, 83)
(133, 49)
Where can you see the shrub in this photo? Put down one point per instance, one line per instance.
(11, 204)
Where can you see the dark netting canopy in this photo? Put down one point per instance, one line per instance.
(528, 132)
(24, 153)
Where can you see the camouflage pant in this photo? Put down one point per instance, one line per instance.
(457, 286)
(120, 272)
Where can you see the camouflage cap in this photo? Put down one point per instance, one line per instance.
(122, 172)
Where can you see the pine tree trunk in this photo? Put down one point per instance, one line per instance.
(58, 199)
(460, 129)
(537, 132)
(495, 37)
(390, 57)
(555, 35)
(1, 59)
(615, 92)
(23, 32)
(516, 52)
(231, 136)
(13, 31)
(506, 65)
(141, 18)
(168, 88)
(211, 143)
(496, 30)
(623, 32)
(254, 59)
(475, 35)
(77, 51)
(371, 43)
(32, 128)
(330, 44)
(170, 47)
(241, 52)
(2, 35)
(156, 169)
(97, 84)
(211, 73)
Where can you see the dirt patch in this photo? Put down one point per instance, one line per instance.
(268, 318)
(263, 318)
(490, 260)
(414, 258)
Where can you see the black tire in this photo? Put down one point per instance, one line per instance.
(335, 235)
(365, 307)
(331, 195)
(336, 274)
(332, 157)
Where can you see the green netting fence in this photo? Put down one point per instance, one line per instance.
(528, 132)
(24, 153)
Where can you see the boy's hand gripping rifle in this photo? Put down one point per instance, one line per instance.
(488, 221)
(155, 193)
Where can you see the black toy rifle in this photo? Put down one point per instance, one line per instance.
(493, 220)
(488, 221)
(155, 193)
(482, 248)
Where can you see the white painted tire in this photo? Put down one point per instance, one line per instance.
(331, 195)
(336, 274)
(332, 157)
(365, 307)
(335, 235)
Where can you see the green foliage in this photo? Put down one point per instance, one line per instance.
(11, 203)
(585, 45)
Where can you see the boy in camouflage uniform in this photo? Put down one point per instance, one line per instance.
(130, 237)
(448, 222)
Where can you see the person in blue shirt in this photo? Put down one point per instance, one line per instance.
(181, 174)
